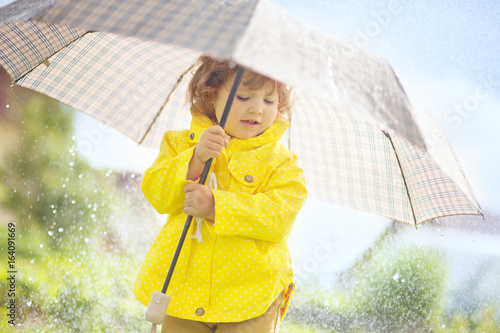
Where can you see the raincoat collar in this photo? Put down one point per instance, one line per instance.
(200, 123)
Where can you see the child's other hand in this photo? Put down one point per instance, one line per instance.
(211, 143)
(199, 201)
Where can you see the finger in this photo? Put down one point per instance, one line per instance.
(215, 146)
(217, 138)
(190, 187)
(188, 211)
(219, 132)
(216, 129)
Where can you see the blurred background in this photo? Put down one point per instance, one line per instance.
(71, 185)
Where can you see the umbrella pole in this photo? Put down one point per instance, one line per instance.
(158, 305)
(204, 176)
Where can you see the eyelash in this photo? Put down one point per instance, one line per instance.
(244, 99)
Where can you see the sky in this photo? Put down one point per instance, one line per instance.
(446, 55)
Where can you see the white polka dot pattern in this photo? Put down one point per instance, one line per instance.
(243, 262)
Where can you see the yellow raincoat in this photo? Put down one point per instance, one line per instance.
(242, 263)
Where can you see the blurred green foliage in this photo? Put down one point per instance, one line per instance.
(69, 276)
(395, 288)
(402, 288)
(50, 191)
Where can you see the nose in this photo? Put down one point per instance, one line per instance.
(257, 107)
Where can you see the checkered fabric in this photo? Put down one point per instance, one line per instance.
(351, 162)
(254, 33)
(26, 45)
(138, 87)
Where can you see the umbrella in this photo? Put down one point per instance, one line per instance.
(359, 142)
(350, 157)
(254, 34)
(127, 63)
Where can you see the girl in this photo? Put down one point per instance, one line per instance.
(236, 276)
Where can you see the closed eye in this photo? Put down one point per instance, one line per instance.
(242, 98)
(268, 101)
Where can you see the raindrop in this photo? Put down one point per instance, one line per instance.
(32, 260)
(60, 229)
(41, 245)
(50, 233)
(87, 240)
(73, 201)
(54, 211)
(7, 106)
(395, 277)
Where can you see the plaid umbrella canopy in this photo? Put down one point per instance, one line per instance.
(127, 63)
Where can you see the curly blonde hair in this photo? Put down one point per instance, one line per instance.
(212, 74)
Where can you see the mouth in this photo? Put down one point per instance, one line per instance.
(250, 122)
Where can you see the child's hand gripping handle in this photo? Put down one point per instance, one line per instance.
(157, 308)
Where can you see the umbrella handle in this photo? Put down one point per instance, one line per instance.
(204, 175)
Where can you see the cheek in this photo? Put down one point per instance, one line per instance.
(273, 113)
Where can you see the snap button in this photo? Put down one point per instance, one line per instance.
(248, 178)
(200, 311)
(191, 136)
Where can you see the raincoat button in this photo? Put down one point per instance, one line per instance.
(200, 311)
(191, 136)
(248, 178)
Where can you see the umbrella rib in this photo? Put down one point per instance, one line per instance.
(46, 61)
(179, 80)
(402, 175)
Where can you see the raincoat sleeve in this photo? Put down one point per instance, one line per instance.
(164, 181)
(268, 215)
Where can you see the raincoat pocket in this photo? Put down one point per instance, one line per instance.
(249, 176)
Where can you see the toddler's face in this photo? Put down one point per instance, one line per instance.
(252, 112)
